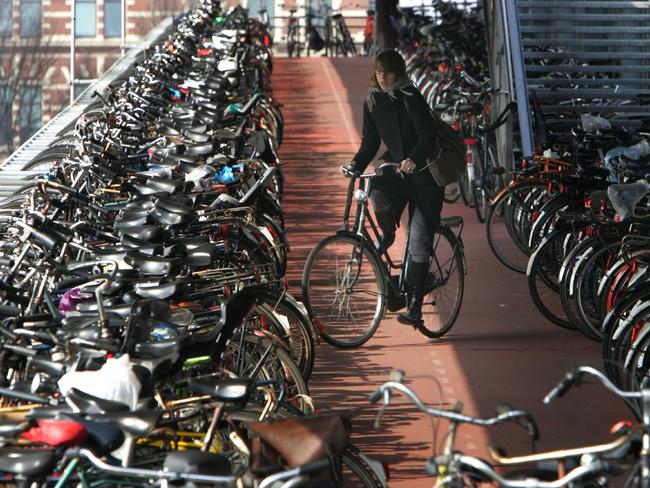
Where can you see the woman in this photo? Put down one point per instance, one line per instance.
(396, 114)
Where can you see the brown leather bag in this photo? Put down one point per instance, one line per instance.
(305, 439)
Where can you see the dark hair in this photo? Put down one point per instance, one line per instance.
(391, 62)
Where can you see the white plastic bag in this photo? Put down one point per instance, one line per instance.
(113, 381)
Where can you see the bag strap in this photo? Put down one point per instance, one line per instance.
(434, 116)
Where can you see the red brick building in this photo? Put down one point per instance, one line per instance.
(35, 48)
(35, 53)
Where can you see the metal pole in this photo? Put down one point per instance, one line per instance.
(123, 35)
(72, 49)
(519, 75)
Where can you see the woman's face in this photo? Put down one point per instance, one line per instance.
(384, 78)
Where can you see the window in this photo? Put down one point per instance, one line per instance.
(85, 18)
(112, 18)
(6, 131)
(6, 18)
(30, 111)
(30, 18)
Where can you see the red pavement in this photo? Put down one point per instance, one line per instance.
(501, 350)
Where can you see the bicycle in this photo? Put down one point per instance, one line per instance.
(293, 43)
(347, 284)
(452, 468)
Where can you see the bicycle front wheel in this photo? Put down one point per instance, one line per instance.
(343, 290)
(445, 285)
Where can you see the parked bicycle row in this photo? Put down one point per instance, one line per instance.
(147, 336)
(577, 227)
(452, 75)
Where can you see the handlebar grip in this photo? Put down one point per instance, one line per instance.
(376, 395)
(562, 387)
(533, 429)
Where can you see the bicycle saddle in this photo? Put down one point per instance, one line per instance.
(166, 217)
(201, 149)
(152, 265)
(196, 136)
(137, 424)
(625, 198)
(200, 256)
(131, 219)
(222, 390)
(142, 246)
(306, 439)
(103, 437)
(159, 349)
(143, 232)
(177, 203)
(27, 462)
(216, 83)
(197, 462)
(168, 185)
(91, 404)
(160, 292)
(115, 253)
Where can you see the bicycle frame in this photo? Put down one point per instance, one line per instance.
(359, 231)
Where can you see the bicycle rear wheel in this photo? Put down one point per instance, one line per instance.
(445, 285)
(344, 291)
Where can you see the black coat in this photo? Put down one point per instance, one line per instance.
(404, 125)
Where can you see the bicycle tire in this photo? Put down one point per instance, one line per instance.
(451, 260)
(317, 277)
(466, 190)
(292, 327)
(503, 233)
(355, 465)
(452, 192)
(481, 202)
(543, 269)
(278, 367)
(589, 274)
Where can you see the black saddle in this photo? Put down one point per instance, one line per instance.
(143, 246)
(159, 349)
(91, 404)
(223, 390)
(160, 292)
(149, 233)
(153, 265)
(202, 149)
(197, 462)
(28, 463)
(137, 424)
(196, 136)
(165, 217)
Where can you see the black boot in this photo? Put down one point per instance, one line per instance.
(386, 222)
(417, 274)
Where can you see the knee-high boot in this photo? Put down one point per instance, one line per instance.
(417, 274)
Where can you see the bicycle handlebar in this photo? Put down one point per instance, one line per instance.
(487, 470)
(364, 176)
(385, 390)
(573, 377)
